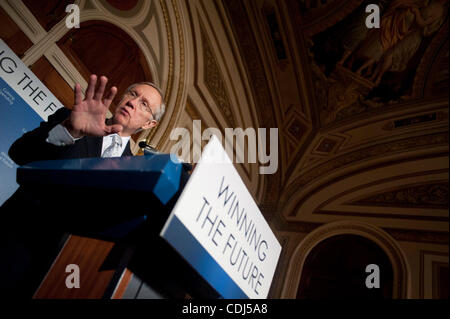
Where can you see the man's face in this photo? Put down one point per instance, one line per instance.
(135, 110)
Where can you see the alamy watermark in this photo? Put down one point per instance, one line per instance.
(373, 280)
(373, 19)
(73, 279)
(73, 18)
(257, 144)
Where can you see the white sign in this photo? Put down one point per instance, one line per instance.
(217, 210)
(16, 74)
(24, 103)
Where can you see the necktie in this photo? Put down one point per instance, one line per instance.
(113, 149)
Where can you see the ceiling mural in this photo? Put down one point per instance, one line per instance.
(358, 69)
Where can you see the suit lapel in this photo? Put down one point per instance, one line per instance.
(94, 146)
(127, 150)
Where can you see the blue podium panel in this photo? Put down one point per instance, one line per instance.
(157, 174)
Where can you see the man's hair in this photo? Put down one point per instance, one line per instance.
(162, 108)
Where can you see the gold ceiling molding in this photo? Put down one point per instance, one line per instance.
(280, 224)
(394, 112)
(262, 97)
(128, 14)
(401, 272)
(237, 57)
(292, 207)
(419, 236)
(327, 202)
(168, 93)
(178, 106)
(415, 120)
(204, 98)
(237, 114)
(252, 60)
(193, 112)
(403, 200)
(364, 154)
(152, 58)
(214, 81)
(433, 195)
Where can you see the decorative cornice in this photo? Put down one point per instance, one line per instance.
(178, 106)
(214, 81)
(440, 176)
(419, 236)
(280, 224)
(253, 63)
(168, 94)
(134, 15)
(364, 154)
(428, 195)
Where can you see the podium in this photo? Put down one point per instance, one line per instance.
(92, 226)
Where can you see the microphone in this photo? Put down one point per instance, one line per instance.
(146, 147)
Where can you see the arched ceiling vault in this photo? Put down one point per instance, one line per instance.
(349, 148)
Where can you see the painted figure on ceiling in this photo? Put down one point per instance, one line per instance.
(428, 20)
(396, 22)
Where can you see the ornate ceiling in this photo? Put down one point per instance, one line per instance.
(352, 145)
(350, 149)
(362, 124)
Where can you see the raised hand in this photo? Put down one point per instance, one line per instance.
(88, 115)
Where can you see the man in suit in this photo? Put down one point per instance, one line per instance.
(84, 130)
(29, 241)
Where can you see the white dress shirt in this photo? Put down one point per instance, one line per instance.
(59, 136)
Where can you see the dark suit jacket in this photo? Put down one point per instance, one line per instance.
(35, 219)
(32, 146)
(28, 241)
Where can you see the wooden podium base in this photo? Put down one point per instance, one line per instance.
(102, 270)
(109, 270)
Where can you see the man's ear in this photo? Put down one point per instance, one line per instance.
(149, 124)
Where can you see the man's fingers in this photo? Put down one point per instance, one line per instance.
(101, 88)
(91, 87)
(115, 128)
(78, 94)
(112, 93)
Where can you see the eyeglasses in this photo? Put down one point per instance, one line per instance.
(143, 105)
